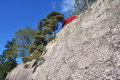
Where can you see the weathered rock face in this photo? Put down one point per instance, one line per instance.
(86, 49)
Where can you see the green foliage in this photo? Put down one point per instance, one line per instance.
(40, 48)
(53, 21)
(50, 22)
(39, 37)
(47, 30)
(38, 40)
(7, 59)
(80, 6)
(26, 66)
(46, 23)
(10, 52)
(35, 55)
(2, 58)
(26, 59)
(32, 48)
(24, 38)
(59, 17)
(6, 67)
(38, 33)
(53, 14)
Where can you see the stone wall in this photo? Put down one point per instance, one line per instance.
(86, 49)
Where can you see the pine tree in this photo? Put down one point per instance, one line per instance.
(80, 6)
(2, 59)
(46, 29)
(10, 52)
(49, 25)
(24, 38)
(8, 59)
(6, 67)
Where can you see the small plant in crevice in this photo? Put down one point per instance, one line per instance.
(26, 66)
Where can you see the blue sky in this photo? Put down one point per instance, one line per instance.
(17, 14)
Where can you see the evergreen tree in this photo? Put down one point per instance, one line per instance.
(6, 67)
(24, 38)
(46, 30)
(49, 25)
(8, 59)
(80, 6)
(10, 52)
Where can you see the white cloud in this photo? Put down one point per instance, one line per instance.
(53, 5)
(66, 4)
